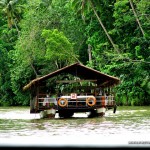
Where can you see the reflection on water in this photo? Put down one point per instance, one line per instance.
(19, 127)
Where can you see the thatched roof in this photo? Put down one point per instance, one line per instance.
(81, 71)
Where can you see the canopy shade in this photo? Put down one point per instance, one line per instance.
(81, 71)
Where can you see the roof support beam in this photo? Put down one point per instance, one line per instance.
(74, 81)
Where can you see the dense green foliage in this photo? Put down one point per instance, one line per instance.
(34, 34)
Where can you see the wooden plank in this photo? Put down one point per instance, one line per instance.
(73, 81)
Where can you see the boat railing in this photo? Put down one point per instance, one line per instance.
(76, 101)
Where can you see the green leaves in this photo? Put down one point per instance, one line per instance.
(58, 46)
(53, 34)
(12, 10)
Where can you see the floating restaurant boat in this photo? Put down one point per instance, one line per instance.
(71, 89)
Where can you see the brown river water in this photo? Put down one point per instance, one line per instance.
(128, 127)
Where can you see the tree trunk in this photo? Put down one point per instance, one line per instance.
(110, 39)
(34, 69)
(89, 52)
(131, 3)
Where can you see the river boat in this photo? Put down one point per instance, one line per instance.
(71, 89)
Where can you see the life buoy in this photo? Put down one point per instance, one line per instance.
(62, 104)
(89, 100)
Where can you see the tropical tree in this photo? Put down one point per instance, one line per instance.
(133, 67)
(40, 49)
(13, 10)
(7, 41)
(84, 5)
(59, 49)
